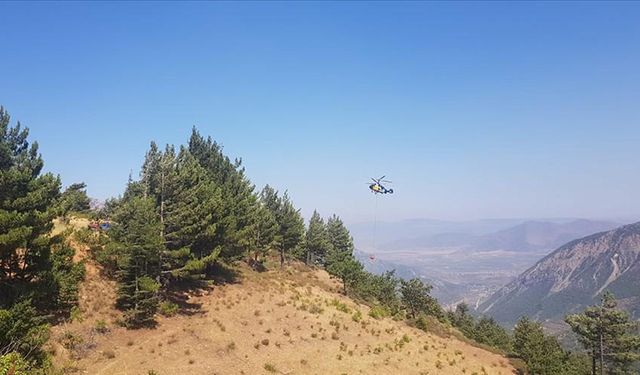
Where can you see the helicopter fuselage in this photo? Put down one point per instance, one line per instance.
(379, 189)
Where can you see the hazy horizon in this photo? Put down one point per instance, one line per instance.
(472, 110)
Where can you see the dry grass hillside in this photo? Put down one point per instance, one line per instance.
(275, 322)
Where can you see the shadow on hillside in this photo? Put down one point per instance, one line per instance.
(181, 297)
(222, 274)
(180, 291)
(257, 266)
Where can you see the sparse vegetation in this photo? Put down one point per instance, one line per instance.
(378, 312)
(75, 314)
(357, 316)
(315, 309)
(101, 326)
(71, 340)
(269, 367)
(340, 306)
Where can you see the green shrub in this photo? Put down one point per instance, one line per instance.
(83, 236)
(168, 308)
(422, 323)
(107, 256)
(13, 364)
(378, 312)
(67, 276)
(76, 314)
(431, 324)
(269, 367)
(357, 316)
(340, 306)
(21, 324)
(315, 309)
(101, 326)
(71, 340)
(139, 297)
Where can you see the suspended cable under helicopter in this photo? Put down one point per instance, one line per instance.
(377, 188)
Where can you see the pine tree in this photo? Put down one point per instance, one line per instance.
(159, 178)
(609, 336)
(192, 220)
(154, 172)
(189, 207)
(136, 231)
(316, 241)
(27, 208)
(74, 199)
(461, 319)
(488, 331)
(264, 234)
(32, 279)
(340, 241)
(23, 331)
(384, 288)
(67, 275)
(348, 269)
(542, 354)
(239, 201)
(416, 299)
(340, 261)
(291, 232)
(269, 198)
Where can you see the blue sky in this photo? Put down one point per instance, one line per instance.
(473, 110)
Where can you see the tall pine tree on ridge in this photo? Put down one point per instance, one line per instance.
(34, 280)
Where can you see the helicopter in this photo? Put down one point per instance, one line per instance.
(377, 187)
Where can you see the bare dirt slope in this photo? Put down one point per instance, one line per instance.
(284, 322)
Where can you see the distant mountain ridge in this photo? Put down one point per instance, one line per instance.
(469, 260)
(573, 277)
(388, 232)
(530, 235)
